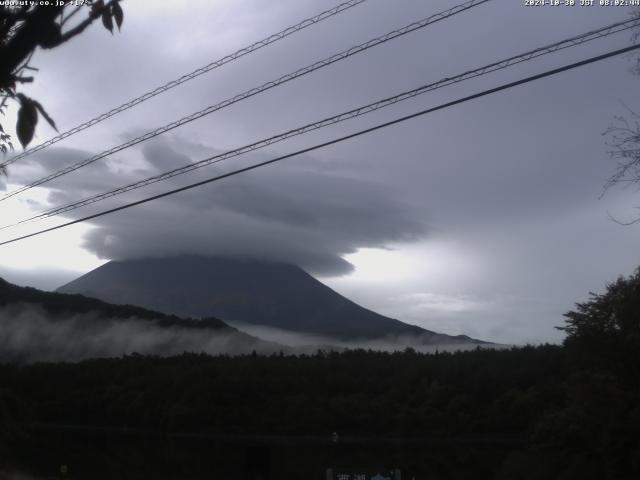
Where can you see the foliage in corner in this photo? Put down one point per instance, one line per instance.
(595, 433)
(23, 29)
(605, 331)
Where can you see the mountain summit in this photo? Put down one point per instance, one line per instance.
(241, 290)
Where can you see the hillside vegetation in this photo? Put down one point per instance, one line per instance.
(570, 411)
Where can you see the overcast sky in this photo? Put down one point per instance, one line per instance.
(482, 219)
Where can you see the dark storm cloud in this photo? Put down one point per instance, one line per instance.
(515, 177)
(294, 213)
(42, 164)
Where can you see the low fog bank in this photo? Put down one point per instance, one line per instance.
(29, 334)
(304, 342)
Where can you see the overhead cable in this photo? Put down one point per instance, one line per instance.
(380, 126)
(254, 91)
(190, 76)
(357, 112)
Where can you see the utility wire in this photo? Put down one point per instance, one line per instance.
(189, 76)
(502, 64)
(256, 90)
(380, 126)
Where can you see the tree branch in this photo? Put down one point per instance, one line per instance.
(78, 29)
(27, 38)
(68, 17)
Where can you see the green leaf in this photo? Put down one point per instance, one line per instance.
(27, 120)
(107, 21)
(118, 14)
(45, 115)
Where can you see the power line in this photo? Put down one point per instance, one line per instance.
(502, 64)
(506, 86)
(189, 76)
(256, 90)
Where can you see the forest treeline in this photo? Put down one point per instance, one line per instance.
(581, 421)
(354, 392)
(576, 407)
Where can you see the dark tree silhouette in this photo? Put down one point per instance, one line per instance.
(570, 412)
(23, 29)
(596, 431)
(604, 332)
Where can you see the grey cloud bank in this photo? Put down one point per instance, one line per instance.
(510, 183)
(28, 334)
(307, 342)
(301, 215)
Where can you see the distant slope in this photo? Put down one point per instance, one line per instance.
(248, 291)
(61, 303)
(45, 326)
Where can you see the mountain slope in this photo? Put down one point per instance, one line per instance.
(249, 291)
(58, 304)
(45, 326)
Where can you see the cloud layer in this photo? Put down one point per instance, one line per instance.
(304, 214)
(509, 183)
